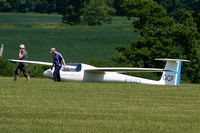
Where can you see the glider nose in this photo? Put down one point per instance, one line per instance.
(48, 73)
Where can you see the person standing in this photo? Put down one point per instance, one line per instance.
(22, 67)
(58, 60)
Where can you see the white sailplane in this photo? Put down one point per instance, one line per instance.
(83, 72)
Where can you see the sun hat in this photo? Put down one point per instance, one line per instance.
(22, 46)
(52, 49)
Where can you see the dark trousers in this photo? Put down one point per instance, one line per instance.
(22, 68)
(56, 73)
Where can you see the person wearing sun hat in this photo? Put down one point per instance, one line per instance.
(22, 67)
(58, 60)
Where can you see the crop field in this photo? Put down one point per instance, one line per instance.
(44, 106)
(22, 20)
(77, 43)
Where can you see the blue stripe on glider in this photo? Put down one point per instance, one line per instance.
(179, 73)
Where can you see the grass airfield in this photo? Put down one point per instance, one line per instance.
(44, 106)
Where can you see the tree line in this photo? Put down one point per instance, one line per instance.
(92, 12)
(50, 6)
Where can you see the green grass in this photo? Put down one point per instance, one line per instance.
(44, 106)
(24, 19)
(21, 19)
(77, 43)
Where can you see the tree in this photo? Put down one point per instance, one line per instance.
(168, 40)
(6, 68)
(147, 14)
(70, 10)
(15, 4)
(196, 17)
(175, 8)
(51, 6)
(41, 6)
(97, 12)
(4, 5)
(117, 7)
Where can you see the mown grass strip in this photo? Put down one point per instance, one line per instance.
(44, 106)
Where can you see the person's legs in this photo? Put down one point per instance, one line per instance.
(25, 72)
(28, 78)
(15, 77)
(56, 74)
(17, 71)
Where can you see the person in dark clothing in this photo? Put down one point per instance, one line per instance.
(58, 60)
(22, 67)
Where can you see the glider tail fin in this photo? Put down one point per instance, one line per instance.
(172, 75)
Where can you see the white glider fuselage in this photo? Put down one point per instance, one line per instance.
(82, 75)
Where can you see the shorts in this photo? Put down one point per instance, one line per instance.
(22, 68)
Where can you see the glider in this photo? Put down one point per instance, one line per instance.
(84, 72)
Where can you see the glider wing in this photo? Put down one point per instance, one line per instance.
(40, 63)
(32, 62)
(123, 69)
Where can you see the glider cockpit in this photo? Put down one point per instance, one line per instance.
(74, 67)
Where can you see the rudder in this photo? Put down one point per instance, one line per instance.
(172, 74)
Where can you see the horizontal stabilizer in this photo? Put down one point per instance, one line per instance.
(166, 59)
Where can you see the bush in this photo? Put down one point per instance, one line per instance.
(37, 70)
(6, 68)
